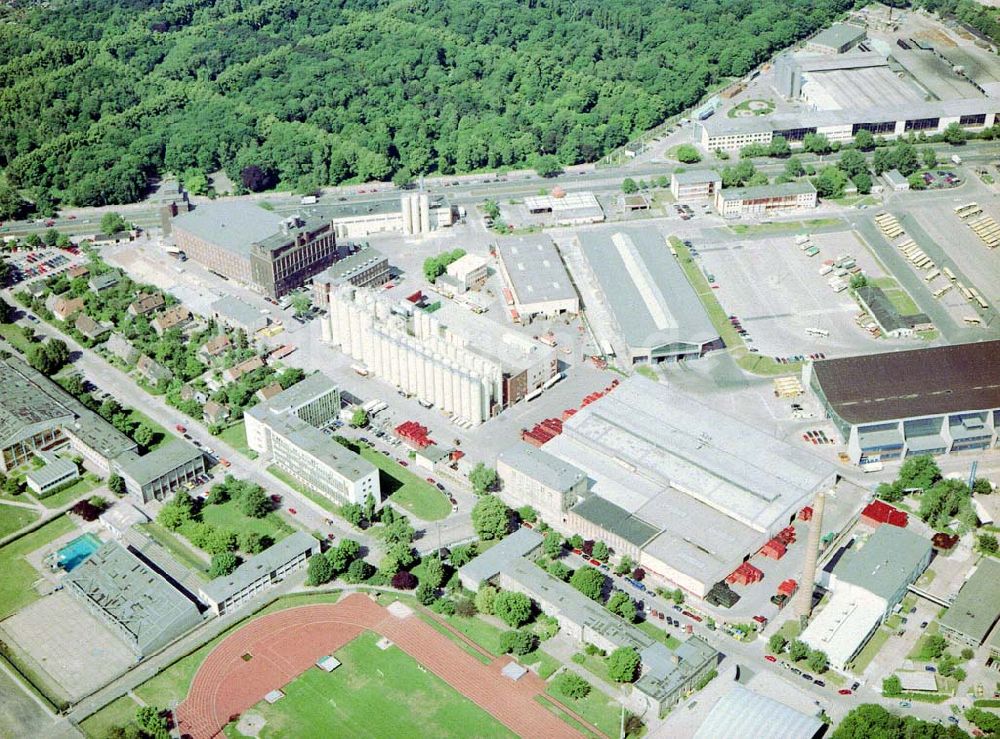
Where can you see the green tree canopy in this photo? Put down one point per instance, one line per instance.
(588, 581)
(490, 518)
(623, 665)
(223, 564)
(688, 154)
(514, 609)
(483, 478)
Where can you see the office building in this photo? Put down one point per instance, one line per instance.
(533, 477)
(36, 415)
(535, 279)
(243, 242)
(696, 184)
(868, 582)
(56, 472)
(358, 264)
(227, 593)
(934, 400)
(413, 214)
(737, 202)
(287, 430)
(466, 366)
(655, 315)
(157, 474)
(836, 39)
(976, 608)
(138, 604)
(686, 491)
(469, 272)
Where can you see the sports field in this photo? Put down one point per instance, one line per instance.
(373, 693)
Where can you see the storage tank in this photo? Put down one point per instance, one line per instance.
(425, 214)
(407, 212)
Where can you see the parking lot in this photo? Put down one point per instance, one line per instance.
(777, 292)
(29, 265)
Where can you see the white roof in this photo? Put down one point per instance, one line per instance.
(744, 714)
(122, 515)
(465, 265)
(844, 623)
(915, 680)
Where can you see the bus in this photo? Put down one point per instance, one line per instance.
(967, 210)
(374, 407)
(948, 273)
(931, 276)
(965, 291)
(973, 320)
(817, 332)
(360, 369)
(532, 395)
(942, 291)
(558, 377)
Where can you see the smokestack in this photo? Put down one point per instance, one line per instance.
(803, 602)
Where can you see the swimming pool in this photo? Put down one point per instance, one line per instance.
(77, 550)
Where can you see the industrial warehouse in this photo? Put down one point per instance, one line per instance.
(936, 400)
(656, 314)
(535, 278)
(469, 368)
(686, 491)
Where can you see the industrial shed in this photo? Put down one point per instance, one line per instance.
(744, 714)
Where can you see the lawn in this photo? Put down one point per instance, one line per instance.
(407, 490)
(117, 713)
(236, 437)
(14, 337)
(545, 664)
(874, 645)
(160, 434)
(179, 549)
(790, 629)
(84, 485)
(457, 640)
(321, 500)
(15, 585)
(741, 229)
(374, 693)
(482, 633)
(593, 663)
(13, 518)
(556, 709)
(900, 299)
(229, 516)
(918, 652)
(659, 634)
(600, 710)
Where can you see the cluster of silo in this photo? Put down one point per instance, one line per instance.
(416, 213)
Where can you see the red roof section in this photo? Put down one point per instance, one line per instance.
(878, 511)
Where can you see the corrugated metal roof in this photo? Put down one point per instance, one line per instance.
(744, 714)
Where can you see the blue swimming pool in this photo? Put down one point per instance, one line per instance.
(77, 550)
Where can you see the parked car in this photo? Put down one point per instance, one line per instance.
(820, 683)
(292, 511)
(770, 658)
(844, 691)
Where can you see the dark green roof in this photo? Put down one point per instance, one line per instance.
(616, 520)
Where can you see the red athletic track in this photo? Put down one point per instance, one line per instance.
(286, 643)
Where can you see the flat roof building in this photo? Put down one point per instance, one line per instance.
(932, 400)
(567, 209)
(695, 184)
(489, 564)
(56, 472)
(656, 313)
(469, 271)
(140, 606)
(358, 265)
(228, 593)
(155, 475)
(976, 608)
(890, 321)
(535, 278)
(836, 39)
(233, 312)
(531, 476)
(244, 242)
(687, 491)
(736, 202)
(742, 714)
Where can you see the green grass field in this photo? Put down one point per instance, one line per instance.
(117, 713)
(407, 490)
(160, 435)
(864, 658)
(13, 518)
(15, 585)
(14, 337)
(373, 693)
(184, 552)
(554, 708)
(482, 633)
(229, 516)
(600, 710)
(659, 634)
(236, 437)
(784, 226)
(84, 485)
(900, 299)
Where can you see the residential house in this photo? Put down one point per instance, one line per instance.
(214, 347)
(106, 281)
(234, 373)
(119, 346)
(146, 303)
(215, 413)
(155, 374)
(78, 271)
(64, 308)
(91, 329)
(268, 392)
(190, 393)
(174, 317)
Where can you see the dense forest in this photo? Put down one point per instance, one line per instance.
(98, 95)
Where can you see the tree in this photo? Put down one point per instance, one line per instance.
(919, 472)
(891, 686)
(404, 581)
(864, 140)
(987, 721)
(600, 551)
(623, 665)
(852, 162)
(571, 685)
(483, 478)
(624, 566)
(221, 541)
(916, 182)
(857, 282)
(223, 564)
(982, 486)
(891, 492)
(112, 223)
(987, 543)
(425, 594)
(301, 303)
(967, 653)
(143, 435)
(622, 605)
(351, 513)
(830, 182)
(816, 143)
(677, 596)
(254, 502)
(6, 311)
(818, 661)
(171, 517)
(688, 154)
(954, 134)
(588, 581)
(116, 484)
(50, 357)
(518, 642)
(514, 609)
(490, 518)
(359, 571)
(559, 570)
(904, 158)
(552, 546)
(252, 542)
(548, 166)
(934, 646)
(12, 205)
(779, 148)
(862, 181)
(359, 419)
(462, 554)
(777, 643)
(151, 720)
(256, 179)
(629, 187)
(433, 572)
(485, 598)
(929, 158)
(794, 168)
(798, 650)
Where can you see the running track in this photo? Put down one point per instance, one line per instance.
(286, 643)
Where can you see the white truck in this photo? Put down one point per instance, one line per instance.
(309, 200)
(956, 159)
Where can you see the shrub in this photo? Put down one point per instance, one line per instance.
(465, 607)
(572, 685)
(518, 642)
(404, 580)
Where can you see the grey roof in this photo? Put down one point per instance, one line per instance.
(535, 270)
(796, 187)
(355, 209)
(696, 176)
(235, 310)
(616, 520)
(305, 391)
(885, 562)
(343, 270)
(232, 225)
(977, 605)
(827, 63)
(104, 281)
(744, 714)
(124, 590)
(539, 465)
(884, 312)
(894, 177)
(488, 564)
(259, 565)
(152, 466)
(324, 448)
(912, 383)
(837, 35)
(56, 468)
(645, 288)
